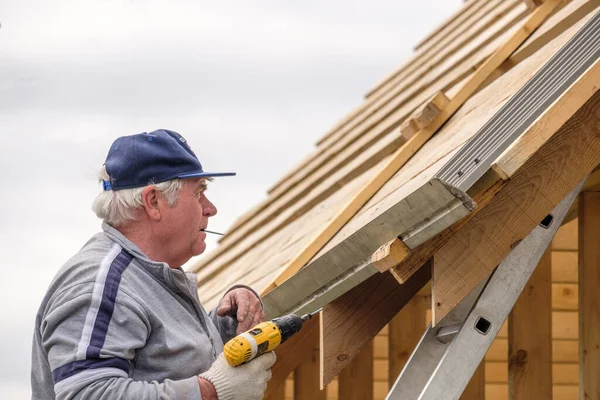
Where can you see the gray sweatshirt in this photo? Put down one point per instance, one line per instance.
(117, 325)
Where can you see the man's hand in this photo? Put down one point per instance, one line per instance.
(247, 381)
(242, 304)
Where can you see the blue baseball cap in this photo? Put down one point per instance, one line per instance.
(145, 158)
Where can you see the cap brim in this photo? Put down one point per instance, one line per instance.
(207, 174)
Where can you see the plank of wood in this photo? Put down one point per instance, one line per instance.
(589, 297)
(564, 266)
(533, 4)
(405, 331)
(423, 115)
(566, 238)
(389, 255)
(402, 155)
(563, 350)
(356, 379)
(380, 347)
(357, 316)
(277, 393)
(530, 336)
(565, 296)
(475, 389)
(306, 379)
(545, 178)
(292, 352)
(565, 325)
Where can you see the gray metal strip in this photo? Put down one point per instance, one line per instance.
(547, 85)
(441, 366)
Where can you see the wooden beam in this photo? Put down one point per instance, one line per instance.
(291, 353)
(589, 295)
(356, 379)
(424, 115)
(404, 333)
(277, 393)
(543, 181)
(530, 337)
(306, 379)
(356, 317)
(533, 4)
(389, 255)
(475, 390)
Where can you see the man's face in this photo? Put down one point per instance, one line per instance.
(183, 222)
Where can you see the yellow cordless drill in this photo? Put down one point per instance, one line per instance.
(264, 337)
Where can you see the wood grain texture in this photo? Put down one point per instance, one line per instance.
(543, 181)
(589, 295)
(277, 393)
(356, 379)
(356, 317)
(538, 133)
(404, 332)
(306, 379)
(389, 255)
(530, 337)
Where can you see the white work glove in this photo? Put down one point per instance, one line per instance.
(247, 381)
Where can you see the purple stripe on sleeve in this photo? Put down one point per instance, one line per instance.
(76, 367)
(107, 304)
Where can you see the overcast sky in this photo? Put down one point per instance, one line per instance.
(251, 84)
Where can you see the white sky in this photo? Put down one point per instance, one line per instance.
(251, 84)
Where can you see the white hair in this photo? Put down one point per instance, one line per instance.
(117, 207)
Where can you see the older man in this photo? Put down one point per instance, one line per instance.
(121, 319)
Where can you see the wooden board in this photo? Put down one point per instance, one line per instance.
(356, 317)
(589, 295)
(306, 378)
(543, 181)
(356, 379)
(530, 336)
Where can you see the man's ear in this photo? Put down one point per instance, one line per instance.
(150, 203)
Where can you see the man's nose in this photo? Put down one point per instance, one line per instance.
(209, 208)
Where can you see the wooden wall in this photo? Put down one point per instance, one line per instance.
(564, 335)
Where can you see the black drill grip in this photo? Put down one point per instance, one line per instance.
(288, 325)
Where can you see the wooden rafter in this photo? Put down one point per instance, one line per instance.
(356, 317)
